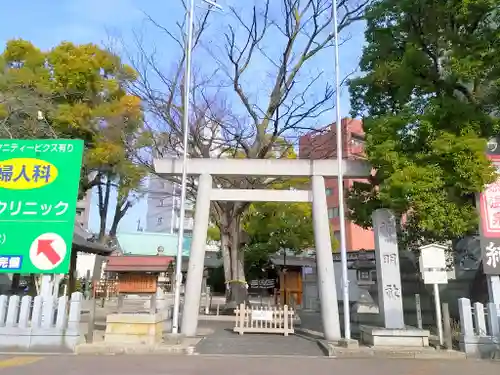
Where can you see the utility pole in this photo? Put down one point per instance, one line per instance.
(340, 179)
(185, 129)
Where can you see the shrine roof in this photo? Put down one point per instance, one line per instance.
(130, 263)
(84, 242)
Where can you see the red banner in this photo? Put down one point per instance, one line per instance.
(489, 201)
(489, 211)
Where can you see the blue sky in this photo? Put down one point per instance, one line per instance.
(48, 22)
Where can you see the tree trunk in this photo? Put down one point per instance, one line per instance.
(121, 209)
(98, 263)
(103, 203)
(226, 256)
(72, 272)
(237, 291)
(103, 198)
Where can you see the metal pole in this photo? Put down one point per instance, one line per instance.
(439, 319)
(340, 180)
(185, 127)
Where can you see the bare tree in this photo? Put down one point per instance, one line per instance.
(227, 117)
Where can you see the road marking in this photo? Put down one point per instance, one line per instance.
(19, 361)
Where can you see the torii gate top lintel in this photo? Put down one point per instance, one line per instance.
(263, 167)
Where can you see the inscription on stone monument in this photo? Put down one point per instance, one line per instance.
(391, 259)
(390, 294)
(392, 291)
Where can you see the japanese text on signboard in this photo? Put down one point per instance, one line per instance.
(11, 262)
(492, 255)
(20, 208)
(36, 173)
(42, 147)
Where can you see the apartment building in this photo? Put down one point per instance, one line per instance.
(164, 204)
(83, 210)
(323, 145)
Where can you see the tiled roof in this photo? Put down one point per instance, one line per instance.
(82, 241)
(138, 263)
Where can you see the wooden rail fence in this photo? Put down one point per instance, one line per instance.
(264, 319)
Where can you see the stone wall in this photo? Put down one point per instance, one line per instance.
(40, 325)
(479, 329)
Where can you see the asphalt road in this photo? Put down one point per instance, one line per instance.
(234, 365)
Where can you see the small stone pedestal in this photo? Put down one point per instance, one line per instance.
(365, 311)
(391, 337)
(144, 329)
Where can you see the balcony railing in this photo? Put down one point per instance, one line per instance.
(189, 205)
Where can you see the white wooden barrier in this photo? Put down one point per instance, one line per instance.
(28, 323)
(205, 302)
(479, 328)
(264, 319)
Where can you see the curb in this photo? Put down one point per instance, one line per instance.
(38, 354)
(262, 356)
(134, 350)
(333, 351)
(309, 333)
(185, 347)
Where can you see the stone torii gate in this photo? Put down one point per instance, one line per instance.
(317, 170)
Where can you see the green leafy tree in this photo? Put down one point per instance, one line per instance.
(274, 226)
(77, 91)
(70, 91)
(429, 96)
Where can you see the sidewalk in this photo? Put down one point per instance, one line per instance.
(244, 365)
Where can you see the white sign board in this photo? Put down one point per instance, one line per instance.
(433, 264)
(266, 315)
(435, 277)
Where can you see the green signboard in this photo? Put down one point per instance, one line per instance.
(38, 193)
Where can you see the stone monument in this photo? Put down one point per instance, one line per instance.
(390, 294)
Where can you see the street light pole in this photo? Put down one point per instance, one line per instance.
(185, 129)
(340, 179)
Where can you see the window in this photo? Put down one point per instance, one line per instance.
(328, 191)
(159, 220)
(364, 275)
(357, 140)
(333, 212)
